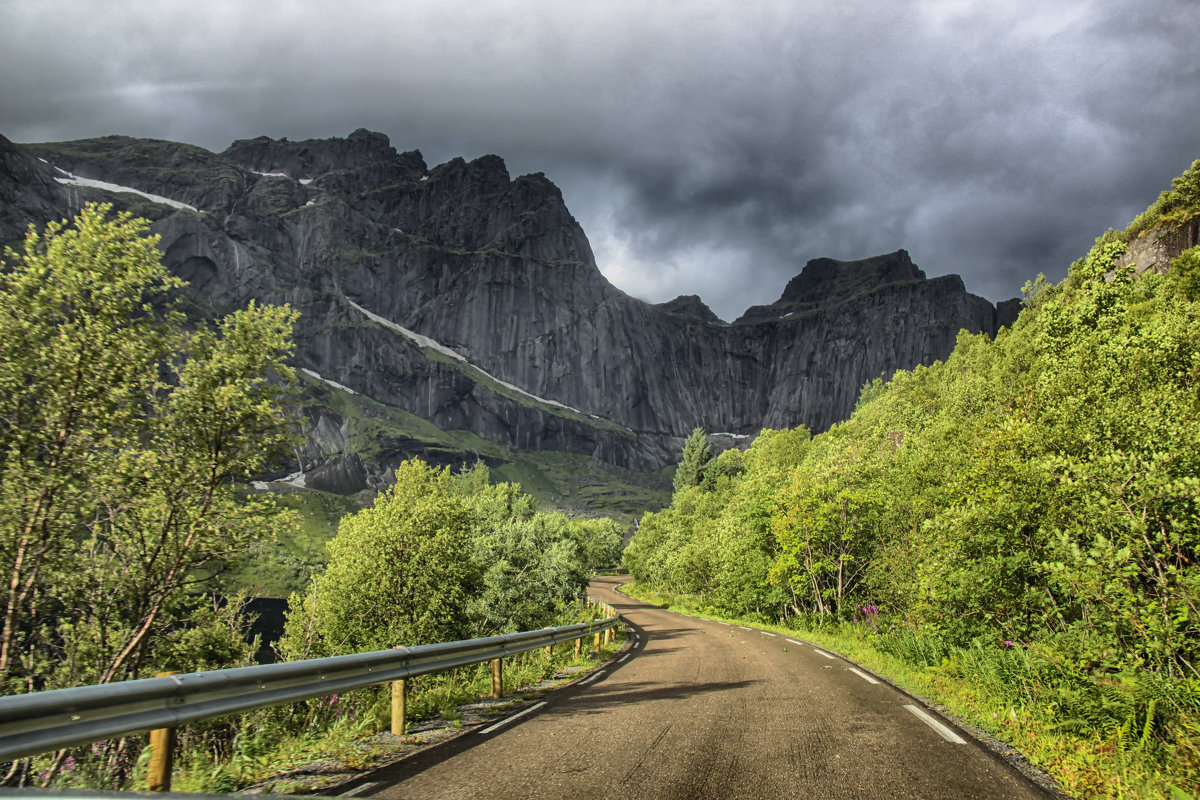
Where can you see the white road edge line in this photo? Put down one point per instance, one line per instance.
(764, 633)
(942, 730)
(743, 627)
(513, 718)
(362, 787)
(595, 677)
(793, 641)
(864, 676)
(622, 658)
(822, 653)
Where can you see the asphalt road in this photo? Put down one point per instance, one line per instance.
(707, 710)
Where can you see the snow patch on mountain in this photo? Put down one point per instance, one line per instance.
(75, 180)
(425, 341)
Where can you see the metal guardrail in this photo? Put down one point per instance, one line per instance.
(42, 721)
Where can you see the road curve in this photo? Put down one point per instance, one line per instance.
(707, 710)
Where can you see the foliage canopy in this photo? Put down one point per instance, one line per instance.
(122, 433)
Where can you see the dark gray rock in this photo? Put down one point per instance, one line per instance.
(1007, 312)
(314, 157)
(342, 474)
(1154, 250)
(690, 305)
(537, 349)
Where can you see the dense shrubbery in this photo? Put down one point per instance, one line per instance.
(1035, 498)
(1042, 486)
(442, 557)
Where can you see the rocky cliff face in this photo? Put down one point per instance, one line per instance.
(472, 300)
(1154, 249)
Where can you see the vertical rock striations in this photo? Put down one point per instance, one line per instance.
(472, 299)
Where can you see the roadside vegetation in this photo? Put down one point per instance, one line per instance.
(440, 556)
(122, 434)
(127, 441)
(1017, 525)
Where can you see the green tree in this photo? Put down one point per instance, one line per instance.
(534, 571)
(122, 434)
(400, 573)
(696, 454)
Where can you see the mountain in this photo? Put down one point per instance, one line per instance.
(457, 312)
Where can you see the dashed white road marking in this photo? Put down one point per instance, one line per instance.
(622, 658)
(863, 675)
(743, 627)
(513, 718)
(362, 787)
(764, 633)
(595, 677)
(943, 731)
(793, 641)
(822, 653)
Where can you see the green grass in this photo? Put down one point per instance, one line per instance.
(984, 688)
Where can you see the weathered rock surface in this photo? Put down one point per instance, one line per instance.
(1154, 250)
(472, 299)
(690, 305)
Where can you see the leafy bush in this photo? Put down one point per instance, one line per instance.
(1177, 204)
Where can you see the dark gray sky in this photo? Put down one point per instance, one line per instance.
(706, 147)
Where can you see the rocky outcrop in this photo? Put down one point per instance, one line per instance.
(1156, 248)
(827, 283)
(471, 299)
(690, 305)
(308, 159)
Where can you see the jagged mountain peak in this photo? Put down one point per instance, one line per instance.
(311, 158)
(690, 305)
(827, 279)
(471, 299)
(827, 282)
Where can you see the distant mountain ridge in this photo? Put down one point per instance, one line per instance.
(472, 300)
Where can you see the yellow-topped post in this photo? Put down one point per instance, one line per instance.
(162, 754)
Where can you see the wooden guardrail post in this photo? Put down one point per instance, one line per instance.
(596, 642)
(497, 679)
(608, 636)
(399, 707)
(578, 648)
(162, 754)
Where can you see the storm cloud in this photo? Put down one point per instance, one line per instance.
(706, 147)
